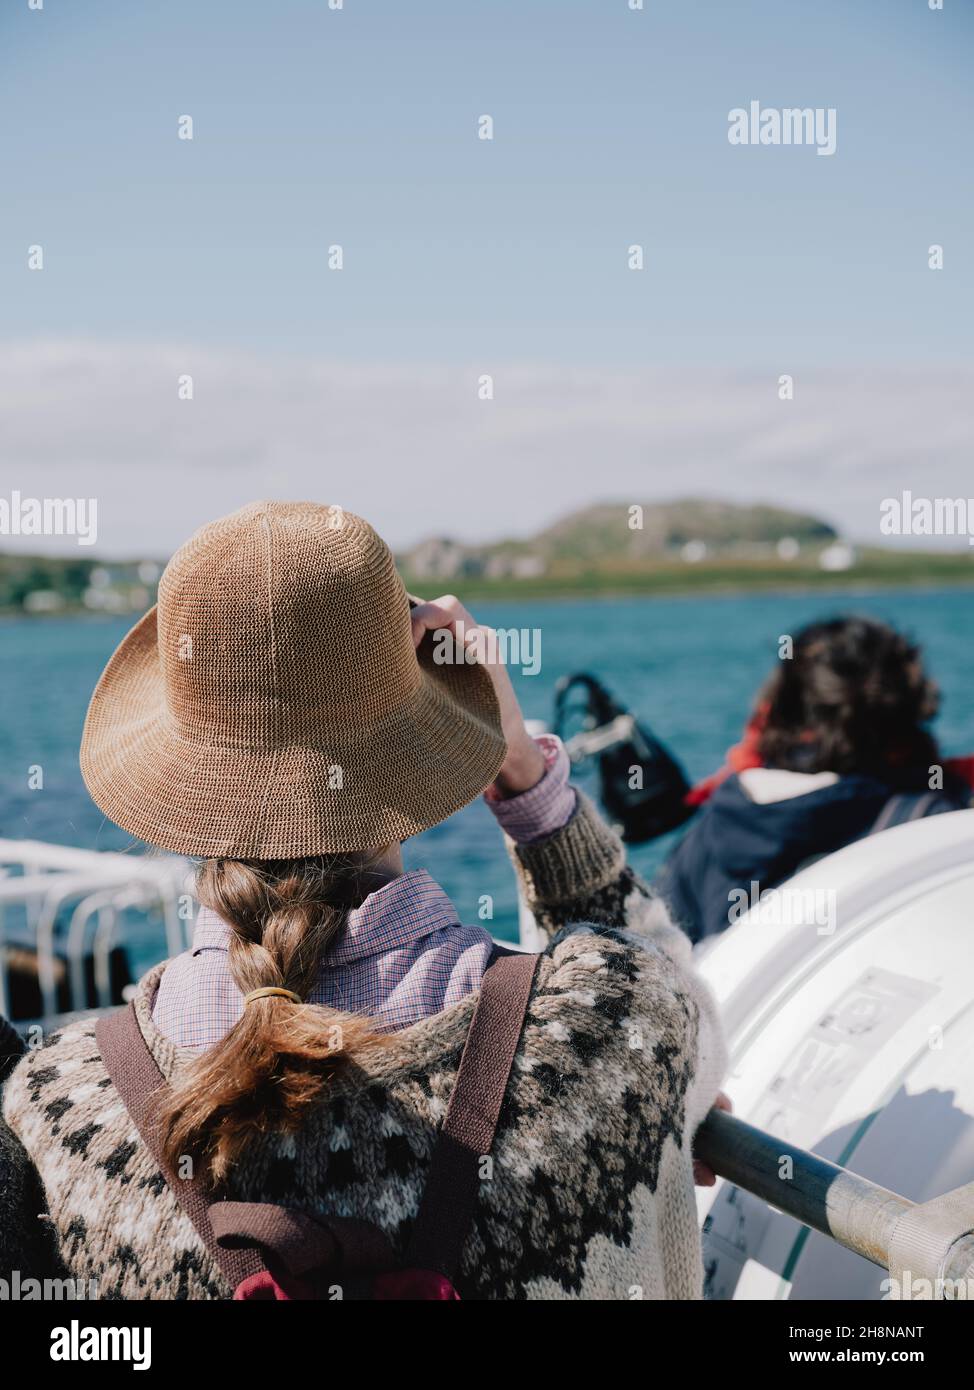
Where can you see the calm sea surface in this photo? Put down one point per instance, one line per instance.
(688, 667)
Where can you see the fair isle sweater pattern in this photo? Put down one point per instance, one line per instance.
(590, 1193)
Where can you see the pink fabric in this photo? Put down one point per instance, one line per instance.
(403, 956)
(395, 1284)
(416, 1284)
(263, 1287)
(537, 813)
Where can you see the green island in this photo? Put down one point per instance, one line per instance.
(609, 549)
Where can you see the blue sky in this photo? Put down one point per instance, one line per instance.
(358, 127)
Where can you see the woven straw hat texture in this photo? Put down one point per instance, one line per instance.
(272, 704)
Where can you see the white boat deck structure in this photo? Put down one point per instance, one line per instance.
(40, 883)
(856, 1041)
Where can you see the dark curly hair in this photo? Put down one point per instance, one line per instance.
(854, 697)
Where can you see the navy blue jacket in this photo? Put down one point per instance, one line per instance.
(735, 841)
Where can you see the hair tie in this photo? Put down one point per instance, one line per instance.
(272, 992)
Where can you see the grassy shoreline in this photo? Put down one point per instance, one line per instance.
(873, 570)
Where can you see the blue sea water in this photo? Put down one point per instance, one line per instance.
(689, 667)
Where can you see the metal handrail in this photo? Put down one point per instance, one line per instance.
(855, 1212)
(101, 883)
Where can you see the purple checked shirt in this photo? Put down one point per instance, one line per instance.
(402, 956)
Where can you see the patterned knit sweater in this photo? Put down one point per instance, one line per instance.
(591, 1194)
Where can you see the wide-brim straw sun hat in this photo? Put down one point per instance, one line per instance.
(272, 705)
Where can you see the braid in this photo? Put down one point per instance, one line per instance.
(273, 1064)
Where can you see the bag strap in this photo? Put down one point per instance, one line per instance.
(909, 806)
(450, 1196)
(136, 1077)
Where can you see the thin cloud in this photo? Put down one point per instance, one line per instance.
(415, 449)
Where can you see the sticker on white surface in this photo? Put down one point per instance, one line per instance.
(809, 1085)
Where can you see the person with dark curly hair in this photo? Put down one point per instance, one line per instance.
(838, 747)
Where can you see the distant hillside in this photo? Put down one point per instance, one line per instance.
(615, 536)
(689, 546)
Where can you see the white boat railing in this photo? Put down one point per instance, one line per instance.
(936, 1237)
(44, 886)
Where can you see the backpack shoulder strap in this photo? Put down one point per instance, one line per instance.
(450, 1197)
(909, 806)
(137, 1079)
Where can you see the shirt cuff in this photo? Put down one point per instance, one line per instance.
(542, 809)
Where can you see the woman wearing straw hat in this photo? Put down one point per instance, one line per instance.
(339, 1082)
